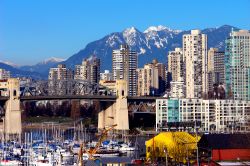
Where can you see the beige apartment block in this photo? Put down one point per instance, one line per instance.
(215, 67)
(4, 74)
(148, 80)
(89, 70)
(59, 80)
(175, 64)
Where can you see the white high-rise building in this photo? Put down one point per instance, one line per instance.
(195, 64)
(124, 65)
(176, 69)
(4, 74)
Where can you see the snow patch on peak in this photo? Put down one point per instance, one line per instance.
(177, 31)
(113, 39)
(161, 28)
(132, 36)
(52, 60)
(130, 30)
(155, 28)
(9, 63)
(142, 51)
(56, 59)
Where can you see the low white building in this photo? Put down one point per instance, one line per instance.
(106, 76)
(177, 89)
(213, 115)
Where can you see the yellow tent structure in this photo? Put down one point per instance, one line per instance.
(179, 146)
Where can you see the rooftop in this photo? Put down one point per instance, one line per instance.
(225, 141)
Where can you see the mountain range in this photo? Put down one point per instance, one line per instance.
(43, 67)
(16, 72)
(154, 42)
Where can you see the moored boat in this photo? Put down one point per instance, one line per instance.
(10, 163)
(102, 153)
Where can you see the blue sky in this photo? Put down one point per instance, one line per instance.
(33, 30)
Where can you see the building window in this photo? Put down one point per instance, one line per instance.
(14, 93)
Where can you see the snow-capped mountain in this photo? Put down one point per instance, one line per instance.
(16, 72)
(9, 63)
(43, 67)
(51, 60)
(154, 42)
(160, 28)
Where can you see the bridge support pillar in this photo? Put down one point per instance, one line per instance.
(116, 113)
(12, 120)
(106, 116)
(75, 109)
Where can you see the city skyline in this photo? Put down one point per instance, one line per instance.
(29, 35)
(124, 82)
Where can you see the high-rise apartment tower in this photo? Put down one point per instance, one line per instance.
(124, 65)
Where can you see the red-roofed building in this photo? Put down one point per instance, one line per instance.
(225, 147)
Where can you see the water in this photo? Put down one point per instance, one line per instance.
(71, 134)
(64, 137)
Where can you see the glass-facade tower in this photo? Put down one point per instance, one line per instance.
(237, 65)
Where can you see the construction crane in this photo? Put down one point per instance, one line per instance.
(103, 135)
(93, 151)
(80, 161)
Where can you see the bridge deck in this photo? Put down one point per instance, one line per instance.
(89, 97)
(144, 98)
(66, 97)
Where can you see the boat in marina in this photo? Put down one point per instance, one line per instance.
(40, 153)
(121, 146)
(126, 147)
(75, 148)
(41, 163)
(48, 152)
(102, 154)
(10, 163)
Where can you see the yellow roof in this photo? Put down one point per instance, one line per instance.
(178, 144)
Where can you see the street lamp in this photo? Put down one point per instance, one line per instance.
(197, 151)
(166, 152)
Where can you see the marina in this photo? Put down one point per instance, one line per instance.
(53, 146)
